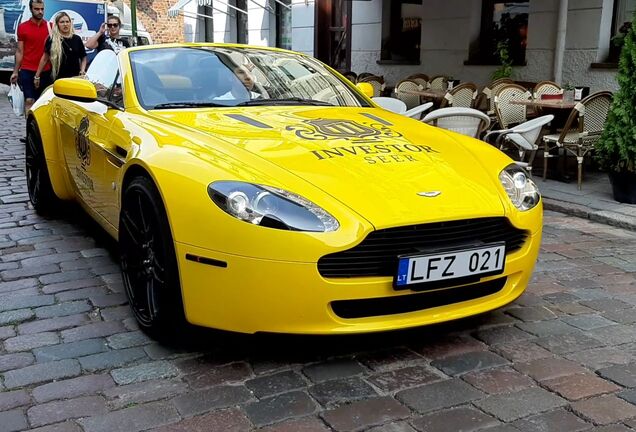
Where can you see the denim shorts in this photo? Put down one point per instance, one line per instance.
(25, 80)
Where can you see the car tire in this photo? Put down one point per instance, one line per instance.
(41, 193)
(149, 262)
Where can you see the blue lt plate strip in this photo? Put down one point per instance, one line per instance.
(402, 273)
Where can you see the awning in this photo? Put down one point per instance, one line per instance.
(267, 7)
(174, 10)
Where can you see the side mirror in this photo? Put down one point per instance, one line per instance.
(77, 89)
(365, 88)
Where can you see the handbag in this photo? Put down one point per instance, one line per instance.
(16, 99)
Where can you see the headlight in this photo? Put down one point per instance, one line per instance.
(522, 191)
(270, 207)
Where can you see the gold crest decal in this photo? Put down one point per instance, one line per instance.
(323, 129)
(82, 146)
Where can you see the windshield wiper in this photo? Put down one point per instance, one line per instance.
(187, 105)
(285, 101)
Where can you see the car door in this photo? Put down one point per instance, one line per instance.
(113, 147)
(115, 152)
(84, 128)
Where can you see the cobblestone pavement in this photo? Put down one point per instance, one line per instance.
(561, 358)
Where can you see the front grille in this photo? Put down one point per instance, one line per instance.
(415, 302)
(377, 255)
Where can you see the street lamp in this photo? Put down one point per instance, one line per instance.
(133, 21)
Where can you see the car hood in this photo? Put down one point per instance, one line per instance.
(390, 169)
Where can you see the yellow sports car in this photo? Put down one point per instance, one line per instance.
(255, 189)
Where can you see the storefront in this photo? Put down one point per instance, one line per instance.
(566, 41)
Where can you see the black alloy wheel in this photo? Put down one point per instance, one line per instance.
(148, 261)
(38, 181)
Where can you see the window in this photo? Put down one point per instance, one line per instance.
(241, 22)
(283, 25)
(401, 31)
(621, 22)
(504, 25)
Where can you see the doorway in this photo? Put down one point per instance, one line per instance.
(333, 33)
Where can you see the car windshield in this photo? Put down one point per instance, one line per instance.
(185, 77)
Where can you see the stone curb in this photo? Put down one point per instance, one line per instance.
(604, 217)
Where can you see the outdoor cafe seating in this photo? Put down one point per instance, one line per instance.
(582, 129)
(407, 91)
(438, 82)
(464, 95)
(399, 107)
(522, 137)
(420, 78)
(507, 112)
(376, 82)
(525, 115)
(466, 121)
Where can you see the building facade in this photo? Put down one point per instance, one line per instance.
(571, 42)
(153, 14)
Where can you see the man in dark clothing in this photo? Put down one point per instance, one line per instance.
(112, 42)
(31, 37)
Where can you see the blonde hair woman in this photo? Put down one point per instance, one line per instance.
(64, 49)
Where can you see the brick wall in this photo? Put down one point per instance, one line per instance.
(154, 15)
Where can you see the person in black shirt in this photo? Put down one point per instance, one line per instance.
(64, 49)
(113, 42)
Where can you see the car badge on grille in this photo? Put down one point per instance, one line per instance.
(429, 194)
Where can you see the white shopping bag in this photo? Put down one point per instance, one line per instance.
(16, 98)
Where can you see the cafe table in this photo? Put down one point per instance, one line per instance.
(561, 109)
(555, 104)
(428, 93)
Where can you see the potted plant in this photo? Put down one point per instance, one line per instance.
(505, 70)
(568, 92)
(616, 148)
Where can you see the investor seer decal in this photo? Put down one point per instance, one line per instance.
(369, 140)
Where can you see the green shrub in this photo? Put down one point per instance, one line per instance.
(616, 149)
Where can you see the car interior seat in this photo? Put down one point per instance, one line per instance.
(211, 78)
(150, 90)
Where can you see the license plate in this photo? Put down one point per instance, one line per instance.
(464, 264)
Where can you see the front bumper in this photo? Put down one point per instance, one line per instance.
(252, 295)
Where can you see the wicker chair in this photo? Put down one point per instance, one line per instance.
(364, 75)
(489, 92)
(542, 88)
(464, 95)
(582, 129)
(411, 100)
(377, 82)
(438, 82)
(546, 87)
(507, 113)
(466, 121)
(351, 76)
(420, 78)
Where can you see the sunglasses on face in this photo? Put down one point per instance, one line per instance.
(112, 25)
